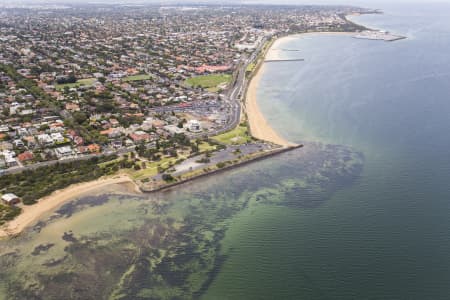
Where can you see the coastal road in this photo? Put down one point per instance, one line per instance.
(233, 98)
(34, 166)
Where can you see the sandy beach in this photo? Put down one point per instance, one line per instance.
(259, 127)
(32, 213)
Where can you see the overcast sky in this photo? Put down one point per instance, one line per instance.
(365, 3)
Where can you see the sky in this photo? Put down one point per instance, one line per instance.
(363, 3)
(241, 1)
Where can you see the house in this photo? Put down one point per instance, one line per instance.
(82, 149)
(94, 148)
(72, 106)
(26, 156)
(45, 140)
(78, 140)
(11, 161)
(117, 144)
(140, 136)
(173, 129)
(112, 132)
(18, 143)
(10, 199)
(194, 126)
(6, 146)
(57, 137)
(63, 151)
(114, 122)
(30, 141)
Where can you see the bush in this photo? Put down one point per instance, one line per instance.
(168, 177)
(221, 165)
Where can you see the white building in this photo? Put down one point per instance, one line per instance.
(63, 151)
(10, 159)
(10, 199)
(173, 129)
(194, 126)
(45, 139)
(57, 137)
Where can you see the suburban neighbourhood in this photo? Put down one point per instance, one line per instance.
(154, 91)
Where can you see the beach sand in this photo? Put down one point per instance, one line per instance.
(32, 213)
(259, 127)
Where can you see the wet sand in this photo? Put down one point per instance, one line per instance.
(32, 213)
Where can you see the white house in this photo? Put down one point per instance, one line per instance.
(10, 199)
(57, 137)
(63, 151)
(194, 126)
(45, 139)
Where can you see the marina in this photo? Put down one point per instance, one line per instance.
(378, 35)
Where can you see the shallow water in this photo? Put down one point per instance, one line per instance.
(164, 245)
(387, 235)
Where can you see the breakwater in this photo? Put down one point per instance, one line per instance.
(220, 170)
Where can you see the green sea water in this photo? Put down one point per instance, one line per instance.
(169, 245)
(386, 236)
(361, 212)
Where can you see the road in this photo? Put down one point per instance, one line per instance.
(232, 101)
(34, 166)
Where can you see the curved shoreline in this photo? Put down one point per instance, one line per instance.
(258, 124)
(259, 128)
(32, 213)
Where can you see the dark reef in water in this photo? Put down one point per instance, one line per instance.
(68, 209)
(175, 253)
(42, 248)
(68, 237)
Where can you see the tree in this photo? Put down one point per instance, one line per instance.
(6, 111)
(220, 165)
(167, 177)
(79, 117)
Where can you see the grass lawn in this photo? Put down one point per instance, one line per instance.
(210, 82)
(237, 136)
(152, 168)
(137, 77)
(203, 147)
(251, 67)
(81, 82)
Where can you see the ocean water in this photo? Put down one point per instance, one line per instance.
(361, 212)
(387, 236)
